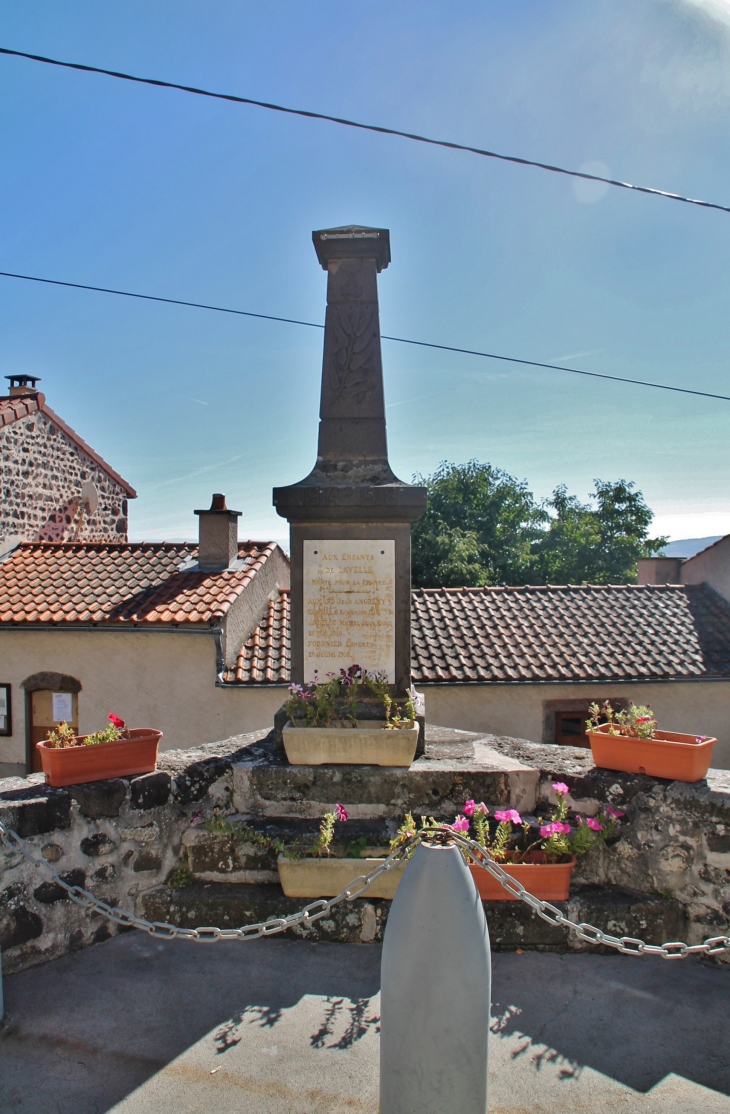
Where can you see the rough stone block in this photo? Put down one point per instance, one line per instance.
(18, 923)
(151, 790)
(146, 860)
(34, 811)
(194, 783)
(98, 844)
(50, 892)
(99, 798)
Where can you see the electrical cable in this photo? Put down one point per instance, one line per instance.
(399, 340)
(365, 127)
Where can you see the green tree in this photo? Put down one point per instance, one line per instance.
(599, 544)
(483, 526)
(479, 528)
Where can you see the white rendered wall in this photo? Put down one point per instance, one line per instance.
(699, 707)
(164, 680)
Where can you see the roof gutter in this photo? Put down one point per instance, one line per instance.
(116, 628)
(569, 681)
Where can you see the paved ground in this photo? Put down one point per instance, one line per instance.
(286, 1027)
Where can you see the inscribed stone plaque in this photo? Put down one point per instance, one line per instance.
(349, 607)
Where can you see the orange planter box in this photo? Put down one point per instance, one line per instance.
(75, 765)
(548, 881)
(670, 755)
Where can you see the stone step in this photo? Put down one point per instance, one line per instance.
(220, 857)
(456, 765)
(512, 924)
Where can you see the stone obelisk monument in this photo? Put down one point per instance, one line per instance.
(350, 518)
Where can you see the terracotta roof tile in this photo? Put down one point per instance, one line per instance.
(266, 657)
(135, 583)
(575, 633)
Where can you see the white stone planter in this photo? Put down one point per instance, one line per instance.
(328, 877)
(353, 746)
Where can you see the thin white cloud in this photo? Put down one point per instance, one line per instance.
(719, 9)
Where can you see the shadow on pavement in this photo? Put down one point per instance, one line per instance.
(635, 1019)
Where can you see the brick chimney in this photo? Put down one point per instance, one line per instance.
(218, 536)
(22, 385)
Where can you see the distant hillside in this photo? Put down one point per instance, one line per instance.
(687, 547)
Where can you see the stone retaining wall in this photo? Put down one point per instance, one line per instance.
(667, 877)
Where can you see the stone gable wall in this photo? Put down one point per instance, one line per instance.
(42, 471)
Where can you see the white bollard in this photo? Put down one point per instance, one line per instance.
(435, 990)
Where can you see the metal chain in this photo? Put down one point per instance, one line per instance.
(627, 945)
(306, 916)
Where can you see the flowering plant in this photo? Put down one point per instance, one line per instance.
(335, 700)
(558, 837)
(220, 823)
(63, 735)
(637, 721)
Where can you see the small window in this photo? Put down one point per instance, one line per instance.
(570, 729)
(6, 727)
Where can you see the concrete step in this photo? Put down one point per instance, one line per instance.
(512, 924)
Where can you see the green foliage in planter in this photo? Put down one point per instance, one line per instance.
(334, 702)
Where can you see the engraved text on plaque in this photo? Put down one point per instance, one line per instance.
(349, 607)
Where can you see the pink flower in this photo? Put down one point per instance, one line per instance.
(614, 813)
(119, 723)
(554, 828)
(701, 738)
(644, 719)
(594, 825)
(341, 812)
(510, 814)
(481, 807)
(469, 807)
(560, 787)
(461, 824)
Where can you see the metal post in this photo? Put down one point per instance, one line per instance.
(435, 990)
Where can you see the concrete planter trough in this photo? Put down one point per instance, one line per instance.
(328, 877)
(670, 754)
(374, 745)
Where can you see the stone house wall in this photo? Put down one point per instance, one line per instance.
(667, 876)
(42, 473)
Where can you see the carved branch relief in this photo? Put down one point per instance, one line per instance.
(353, 350)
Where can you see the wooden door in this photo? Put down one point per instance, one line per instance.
(47, 710)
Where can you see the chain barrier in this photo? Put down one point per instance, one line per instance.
(316, 910)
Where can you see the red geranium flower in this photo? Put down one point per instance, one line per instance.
(116, 721)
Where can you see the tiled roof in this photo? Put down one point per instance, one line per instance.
(549, 634)
(11, 409)
(266, 657)
(574, 633)
(130, 583)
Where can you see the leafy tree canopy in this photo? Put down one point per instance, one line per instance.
(483, 526)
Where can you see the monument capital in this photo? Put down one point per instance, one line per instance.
(352, 241)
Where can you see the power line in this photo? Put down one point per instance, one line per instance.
(399, 340)
(364, 127)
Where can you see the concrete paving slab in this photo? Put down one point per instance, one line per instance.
(135, 1026)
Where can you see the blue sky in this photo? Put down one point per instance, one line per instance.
(107, 183)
